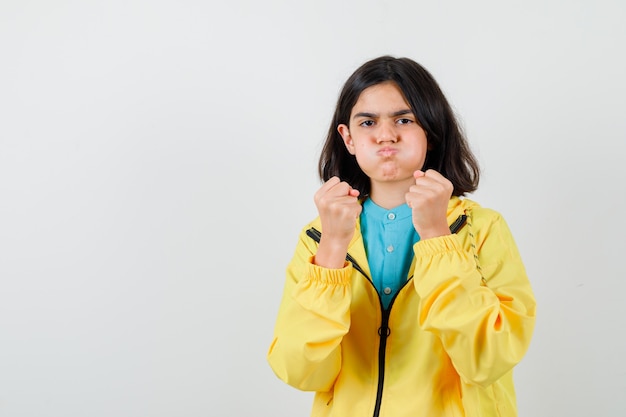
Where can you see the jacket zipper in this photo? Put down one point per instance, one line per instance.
(383, 331)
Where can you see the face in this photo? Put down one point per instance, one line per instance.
(384, 136)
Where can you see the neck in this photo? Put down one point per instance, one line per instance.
(390, 194)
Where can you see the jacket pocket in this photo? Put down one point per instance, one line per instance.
(323, 403)
(479, 401)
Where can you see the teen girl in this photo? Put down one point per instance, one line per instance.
(402, 298)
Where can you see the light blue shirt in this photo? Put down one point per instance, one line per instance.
(389, 237)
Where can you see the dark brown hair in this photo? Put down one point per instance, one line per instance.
(448, 151)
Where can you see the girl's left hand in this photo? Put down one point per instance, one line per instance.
(428, 199)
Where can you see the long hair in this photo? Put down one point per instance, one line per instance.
(448, 151)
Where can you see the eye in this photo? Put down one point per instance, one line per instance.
(367, 123)
(404, 121)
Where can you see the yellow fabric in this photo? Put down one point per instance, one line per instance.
(452, 344)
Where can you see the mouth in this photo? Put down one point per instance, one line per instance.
(387, 151)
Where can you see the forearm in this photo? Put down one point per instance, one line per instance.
(485, 330)
(331, 253)
(313, 318)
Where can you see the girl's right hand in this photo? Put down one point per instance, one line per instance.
(339, 208)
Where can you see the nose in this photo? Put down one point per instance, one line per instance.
(387, 133)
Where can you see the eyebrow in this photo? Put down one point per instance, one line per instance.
(374, 115)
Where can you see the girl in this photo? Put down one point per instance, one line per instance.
(402, 298)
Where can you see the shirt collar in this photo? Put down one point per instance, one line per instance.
(400, 212)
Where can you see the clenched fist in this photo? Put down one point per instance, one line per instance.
(428, 198)
(339, 208)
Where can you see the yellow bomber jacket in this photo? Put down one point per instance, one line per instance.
(446, 345)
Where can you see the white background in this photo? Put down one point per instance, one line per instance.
(158, 159)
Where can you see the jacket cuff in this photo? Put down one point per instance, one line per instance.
(437, 245)
(320, 274)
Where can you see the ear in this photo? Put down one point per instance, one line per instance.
(347, 139)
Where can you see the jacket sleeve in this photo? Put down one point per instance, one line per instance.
(313, 317)
(485, 329)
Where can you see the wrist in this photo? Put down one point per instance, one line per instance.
(331, 254)
(433, 232)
